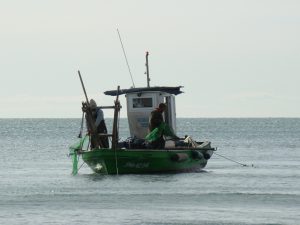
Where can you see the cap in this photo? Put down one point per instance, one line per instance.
(93, 104)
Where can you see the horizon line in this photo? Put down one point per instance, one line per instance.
(205, 117)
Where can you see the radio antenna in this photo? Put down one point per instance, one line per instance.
(125, 57)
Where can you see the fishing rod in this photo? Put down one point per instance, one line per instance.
(125, 57)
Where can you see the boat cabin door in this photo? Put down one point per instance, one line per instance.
(170, 114)
(139, 107)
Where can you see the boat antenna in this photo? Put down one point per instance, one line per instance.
(125, 57)
(147, 69)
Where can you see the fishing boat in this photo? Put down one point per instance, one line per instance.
(135, 155)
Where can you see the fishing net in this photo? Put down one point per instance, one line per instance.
(162, 129)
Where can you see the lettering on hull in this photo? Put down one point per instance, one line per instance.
(137, 165)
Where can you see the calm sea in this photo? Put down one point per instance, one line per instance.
(36, 185)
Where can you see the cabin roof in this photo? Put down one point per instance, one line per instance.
(170, 90)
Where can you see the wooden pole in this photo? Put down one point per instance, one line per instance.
(115, 135)
(115, 132)
(87, 109)
(87, 100)
(147, 69)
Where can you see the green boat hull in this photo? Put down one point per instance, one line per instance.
(141, 161)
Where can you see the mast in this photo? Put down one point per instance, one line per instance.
(115, 132)
(147, 70)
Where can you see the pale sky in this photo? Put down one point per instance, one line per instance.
(234, 58)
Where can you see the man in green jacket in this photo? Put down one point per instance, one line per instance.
(158, 128)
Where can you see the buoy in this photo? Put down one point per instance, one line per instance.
(206, 155)
(197, 155)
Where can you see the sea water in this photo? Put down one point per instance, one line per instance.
(36, 185)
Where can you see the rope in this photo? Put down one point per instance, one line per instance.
(80, 166)
(116, 162)
(81, 127)
(232, 160)
(116, 146)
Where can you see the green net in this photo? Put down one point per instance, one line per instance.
(162, 129)
(74, 153)
(75, 163)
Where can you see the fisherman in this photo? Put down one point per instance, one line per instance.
(98, 119)
(156, 116)
(158, 128)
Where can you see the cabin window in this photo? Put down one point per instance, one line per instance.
(142, 103)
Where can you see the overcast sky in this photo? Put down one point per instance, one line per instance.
(234, 58)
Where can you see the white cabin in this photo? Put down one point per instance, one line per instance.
(142, 101)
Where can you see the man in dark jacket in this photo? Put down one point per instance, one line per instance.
(158, 128)
(156, 117)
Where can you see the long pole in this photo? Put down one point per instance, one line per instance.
(87, 100)
(115, 135)
(115, 121)
(147, 69)
(87, 110)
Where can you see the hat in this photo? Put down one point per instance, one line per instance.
(162, 106)
(93, 104)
